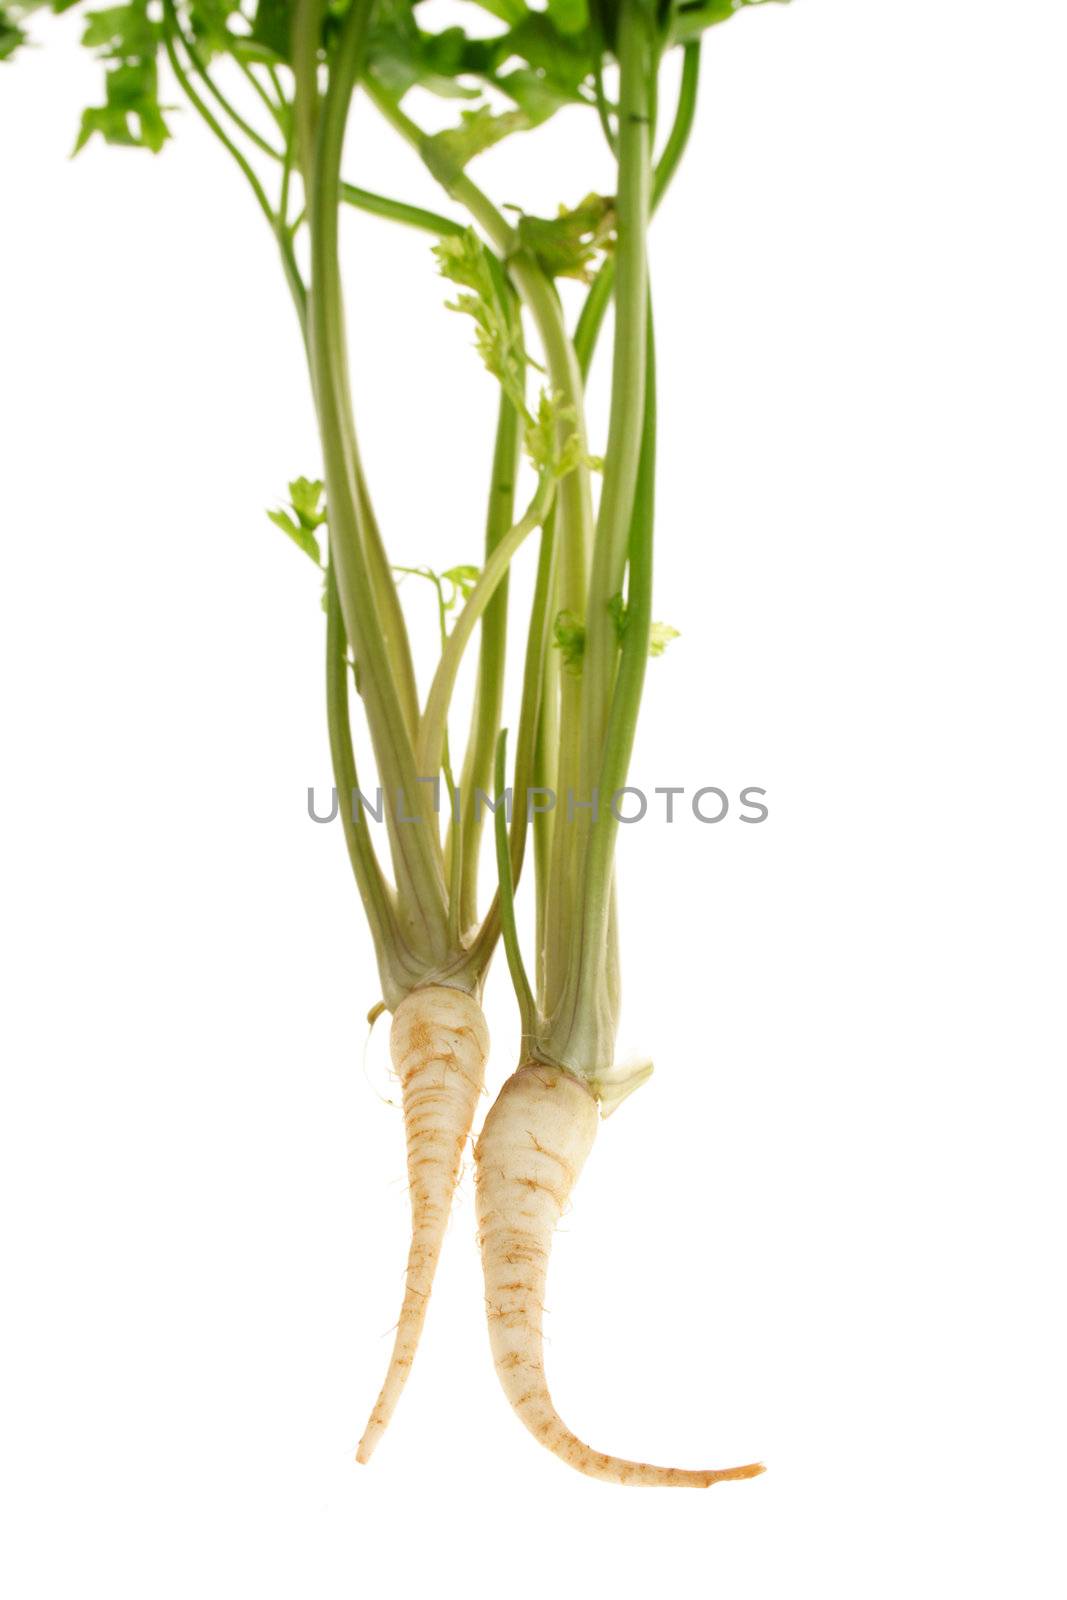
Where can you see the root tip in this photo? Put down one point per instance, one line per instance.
(738, 1474)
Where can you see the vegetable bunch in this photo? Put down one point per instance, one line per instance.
(274, 81)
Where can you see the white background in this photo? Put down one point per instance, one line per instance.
(829, 1233)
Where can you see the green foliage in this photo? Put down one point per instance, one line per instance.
(545, 59)
(572, 244)
(272, 27)
(660, 637)
(542, 431)
(557, 62)
(569, 638)
(121, 32)
(569, 16)
(131, 113)
(127, 39)
(464, 260)
(448, 152)
(617, 612)
(462, 580)
(542, 438)
(451, 586)
(11, 35)
(660, 633)
(569, 634)
(208, 24)
(552, 45)
(690, 17)
(403, 56)
(506, 10)
(306, 495)
(541, 57)
(305, 514)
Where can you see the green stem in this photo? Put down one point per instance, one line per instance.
(635, 48)
(536, 724)
(682, 126)
(603, 110)
(539, 295)
(390, 613)
(416, 846)
(574, 505)
(277, 108)
(453, 861)
(390, 617)
(584, 701)
(400, 969)
(489, 692)
(307, 101)
(599, 297)
(200, 68)
(545, 774)
(171, 32)
(434, 722)
(287, 179)
(284, 235)
(583, 1033)
(373, 889)
(532, 707)
(379, 205)
(580, 996)
(512, 949)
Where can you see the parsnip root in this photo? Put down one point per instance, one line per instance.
(533, 1146)
(439, 1043)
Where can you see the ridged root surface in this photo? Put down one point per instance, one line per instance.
(439, 1044)
(533, 1146)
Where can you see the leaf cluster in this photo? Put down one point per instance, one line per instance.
(12, 35)
(488, 300)
(569, 634)
(127, 39)
(544, 58)
(554, 421)
(573, 243)
(305, 514)
(548, 57)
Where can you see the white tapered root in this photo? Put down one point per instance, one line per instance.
(439, 1044)
(533, 1146)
